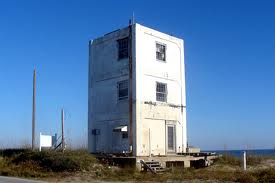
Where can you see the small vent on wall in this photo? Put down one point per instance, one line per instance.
(96, 132)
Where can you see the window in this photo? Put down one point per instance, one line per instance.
(122, 48)
(161, 92)
(125, 135)
(123, 90)
(160, 52)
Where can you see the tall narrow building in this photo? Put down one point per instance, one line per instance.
(137, 100)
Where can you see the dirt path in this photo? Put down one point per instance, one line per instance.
(79, 179)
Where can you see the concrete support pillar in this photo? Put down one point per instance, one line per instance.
(187, 164)
(138, 165)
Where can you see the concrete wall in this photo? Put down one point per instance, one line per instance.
(151, 114)
(105, 110)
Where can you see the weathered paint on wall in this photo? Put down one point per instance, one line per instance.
(152, 114)
(150, 118)
(105, 110)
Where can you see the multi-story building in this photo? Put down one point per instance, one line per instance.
(137, 101)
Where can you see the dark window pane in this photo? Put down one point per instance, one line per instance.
(160, 52)
(122, 48)
(123, 93)
(123, 90)
(124, 135)
(161, 92)
(170, 137)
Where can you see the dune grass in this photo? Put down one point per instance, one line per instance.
(27, 163)
(52, 164)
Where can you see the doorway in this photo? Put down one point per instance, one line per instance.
(170, 137)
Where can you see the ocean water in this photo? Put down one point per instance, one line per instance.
(238, 153)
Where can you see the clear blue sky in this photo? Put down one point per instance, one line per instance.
(230, 65)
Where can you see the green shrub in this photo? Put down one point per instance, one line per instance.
(253, 160)
(265, 176)
(246, 178)
(12, 152)
(57, 161)
(229, 160)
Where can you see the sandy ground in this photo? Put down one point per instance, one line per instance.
(17, 180)
(75, 179)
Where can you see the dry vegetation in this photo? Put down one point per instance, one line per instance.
(27, 163)
(80, 166)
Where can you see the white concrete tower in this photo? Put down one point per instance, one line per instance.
(156, 81)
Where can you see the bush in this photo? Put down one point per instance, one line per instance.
(254, 160)
(264, 176)
(246, 178)
(229, 160)
(12, 152)
(56, 161)
(28, 163)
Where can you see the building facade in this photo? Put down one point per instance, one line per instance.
(137, 100)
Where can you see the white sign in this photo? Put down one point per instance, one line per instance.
(45, 141)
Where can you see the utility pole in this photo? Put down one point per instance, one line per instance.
(33, 109)
(62, 125)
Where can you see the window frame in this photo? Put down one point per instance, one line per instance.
(119, 49)
(165, 51)
(164, 93)
(118, 90)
